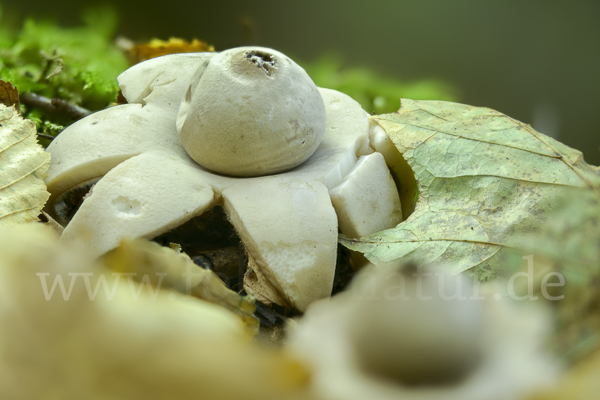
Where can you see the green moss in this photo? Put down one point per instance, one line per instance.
(375, 93)
(79, 65)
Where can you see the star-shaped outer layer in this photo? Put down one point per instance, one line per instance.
(149, 185)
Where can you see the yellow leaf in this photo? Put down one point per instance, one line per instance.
(99, 337)
(9, 95)
(580, 383)
(156, 48)
(23, 167)
(168, 268)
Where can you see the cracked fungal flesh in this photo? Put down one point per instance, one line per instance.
(148, 184)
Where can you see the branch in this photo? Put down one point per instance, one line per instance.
(54, 106)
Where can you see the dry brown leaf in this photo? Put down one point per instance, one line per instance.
(9, 95)
(156, 48)
(120, 98)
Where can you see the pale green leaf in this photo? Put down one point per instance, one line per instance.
(482, 178)
(570, 240)
(572, 235)
(23, 167)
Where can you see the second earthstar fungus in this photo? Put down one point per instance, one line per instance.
(153, 162)
(414, 332)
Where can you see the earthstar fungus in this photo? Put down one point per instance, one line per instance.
(402, 332)
(153, 161)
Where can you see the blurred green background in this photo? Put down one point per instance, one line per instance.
(537, 61)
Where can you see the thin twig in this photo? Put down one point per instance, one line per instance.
(46, 136)
(270, 316)
(54, 106)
